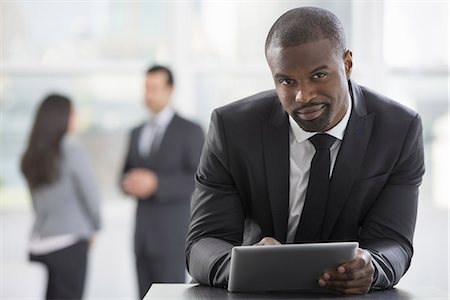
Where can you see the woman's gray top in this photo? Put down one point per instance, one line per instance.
(71, 204)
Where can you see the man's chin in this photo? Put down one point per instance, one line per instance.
(316, 125)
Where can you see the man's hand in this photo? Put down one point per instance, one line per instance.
(354, 277)
(267, 241)
(140, 183)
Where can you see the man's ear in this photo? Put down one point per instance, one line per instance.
(348, 62)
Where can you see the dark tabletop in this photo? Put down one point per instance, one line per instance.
(195, 291)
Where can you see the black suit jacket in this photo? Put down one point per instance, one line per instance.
(242, 184)
(162, 219)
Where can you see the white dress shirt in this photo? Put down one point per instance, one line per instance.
(300, 157)
(153, 130)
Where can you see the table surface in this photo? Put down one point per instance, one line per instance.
(195, 291)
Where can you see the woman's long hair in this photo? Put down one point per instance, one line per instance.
(41, 159)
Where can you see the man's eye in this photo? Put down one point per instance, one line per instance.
(286, 81)
(319, 75)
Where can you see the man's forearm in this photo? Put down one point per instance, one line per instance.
(208, 261)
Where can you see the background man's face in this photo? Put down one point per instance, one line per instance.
(157, 91)
(311, 82)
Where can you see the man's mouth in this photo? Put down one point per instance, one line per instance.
(311, 112)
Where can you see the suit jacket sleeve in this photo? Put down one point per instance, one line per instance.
(388, 229)
(176, 185)
(217, 214)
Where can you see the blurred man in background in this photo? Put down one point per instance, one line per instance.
(162, 158)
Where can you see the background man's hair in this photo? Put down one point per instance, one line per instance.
(158, 68)
(304, 25)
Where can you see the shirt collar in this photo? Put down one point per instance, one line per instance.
(337, 131)
(163, 118)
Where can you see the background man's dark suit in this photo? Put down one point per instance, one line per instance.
(162, 219)
(242, 184)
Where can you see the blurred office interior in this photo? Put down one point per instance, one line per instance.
(96, 52)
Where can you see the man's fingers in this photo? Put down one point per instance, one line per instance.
(127, 186)
(354, 269)
(129, 180)
(132, 187)
(354, 277)
(360, 261)
(353, 291)
(349, 274)
(363, 282)
(364, 255)
(268, 241)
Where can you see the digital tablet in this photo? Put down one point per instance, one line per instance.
(292, 267)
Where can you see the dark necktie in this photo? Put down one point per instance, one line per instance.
(156, 140)
(313, 214)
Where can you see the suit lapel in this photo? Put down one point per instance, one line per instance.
(349, 159)
(275, 133)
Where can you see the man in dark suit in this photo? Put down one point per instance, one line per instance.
(159, 171)
(319, 159)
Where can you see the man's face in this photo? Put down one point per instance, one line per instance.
(157, 91)
(311, 82)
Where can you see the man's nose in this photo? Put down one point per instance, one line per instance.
(305, 93)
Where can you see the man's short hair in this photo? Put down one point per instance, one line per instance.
(159, 68)
(304, 25)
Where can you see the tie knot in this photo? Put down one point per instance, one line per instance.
(322, 141)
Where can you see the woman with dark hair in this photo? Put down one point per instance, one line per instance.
(65, 198)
